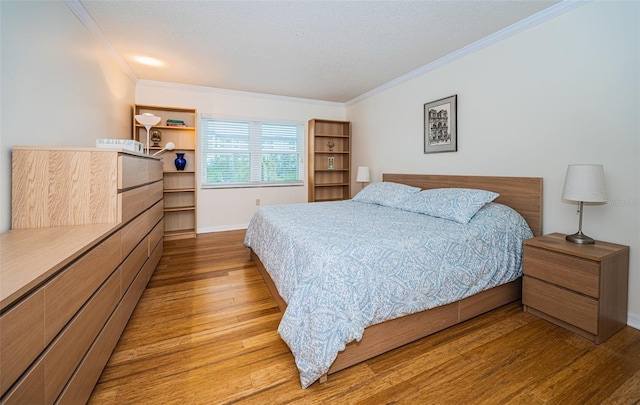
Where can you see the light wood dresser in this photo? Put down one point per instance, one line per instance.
(582, 288)
(87, 232)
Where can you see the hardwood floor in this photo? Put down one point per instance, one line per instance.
(204, 332)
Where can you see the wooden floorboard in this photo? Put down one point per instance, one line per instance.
(205, 332)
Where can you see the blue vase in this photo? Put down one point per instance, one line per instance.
(180, 161)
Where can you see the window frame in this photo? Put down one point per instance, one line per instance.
(255, 151)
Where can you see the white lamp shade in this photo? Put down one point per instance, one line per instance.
(363, 175)
(148, 120)
(585, 183)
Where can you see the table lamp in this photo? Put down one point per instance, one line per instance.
(584, 183)
(363, 175)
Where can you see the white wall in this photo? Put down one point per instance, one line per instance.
(59, 86)
(225, 209)
(566, 91)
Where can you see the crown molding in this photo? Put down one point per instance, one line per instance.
(531, 21)
(554, 11)
(272, 97)
(81, 13)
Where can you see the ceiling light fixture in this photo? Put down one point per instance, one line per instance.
(149, 61)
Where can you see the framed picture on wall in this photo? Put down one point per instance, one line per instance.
(440, 125)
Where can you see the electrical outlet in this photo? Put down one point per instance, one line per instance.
(257, 201)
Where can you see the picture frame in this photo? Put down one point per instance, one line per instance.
(441, 125)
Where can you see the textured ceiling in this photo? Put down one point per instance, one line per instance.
(323, 50)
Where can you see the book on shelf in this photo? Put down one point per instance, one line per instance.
(176, 123)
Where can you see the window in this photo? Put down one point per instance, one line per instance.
(238, 153)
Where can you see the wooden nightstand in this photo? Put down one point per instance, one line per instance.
(582, 288)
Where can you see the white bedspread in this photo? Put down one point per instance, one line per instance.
(343, 266)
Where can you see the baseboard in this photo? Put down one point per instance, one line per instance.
(633, 320)
(222, 228)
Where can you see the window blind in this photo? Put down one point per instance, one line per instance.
(241, 153)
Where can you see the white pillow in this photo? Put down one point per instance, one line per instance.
(385, 193)
(455, 204)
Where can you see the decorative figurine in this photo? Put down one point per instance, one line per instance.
(156, 136)
(331, 144)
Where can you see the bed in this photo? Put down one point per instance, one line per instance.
(347, 301)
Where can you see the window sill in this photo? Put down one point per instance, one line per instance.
(251, 185)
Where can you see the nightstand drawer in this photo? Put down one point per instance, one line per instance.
(570, 307)
(572, 272)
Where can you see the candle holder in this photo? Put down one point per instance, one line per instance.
(331, 160)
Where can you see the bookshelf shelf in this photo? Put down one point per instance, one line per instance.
(329, 160)
(179, 188)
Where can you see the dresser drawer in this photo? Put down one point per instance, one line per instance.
(132, 265)
(134, 232)
(156, 192)
(65, 353)
(69, 291)
(134, 201)
(21, 338)
(81, 384)
(29, 389)
(155, 236)
(156, 213)
(572, 272)
(155, 170)
(568, 306)
(134, 171)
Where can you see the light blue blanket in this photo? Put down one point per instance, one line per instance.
(342, 266)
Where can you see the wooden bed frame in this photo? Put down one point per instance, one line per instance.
(524, 194)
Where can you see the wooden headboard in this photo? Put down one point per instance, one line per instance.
(523, 194)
